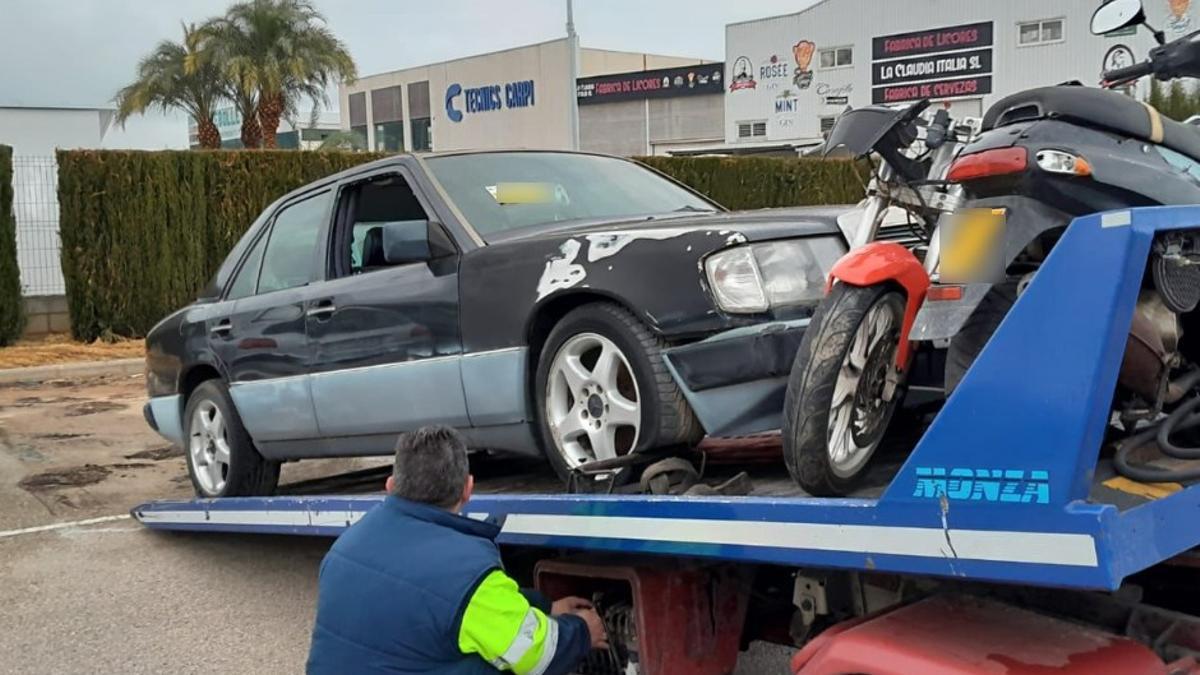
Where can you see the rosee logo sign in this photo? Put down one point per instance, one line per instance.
(488, 98)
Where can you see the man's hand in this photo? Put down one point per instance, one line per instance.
(595, 625)
(569, 604)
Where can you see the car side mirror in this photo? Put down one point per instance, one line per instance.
(406, 241)
(1117, 14)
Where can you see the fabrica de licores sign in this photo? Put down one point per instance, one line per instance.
(944, 62)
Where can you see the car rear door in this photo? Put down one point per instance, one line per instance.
(385, 335)
(262, 341)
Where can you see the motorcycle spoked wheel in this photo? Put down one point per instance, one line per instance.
(835, 410)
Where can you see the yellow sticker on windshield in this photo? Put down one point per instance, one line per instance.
(523, 193)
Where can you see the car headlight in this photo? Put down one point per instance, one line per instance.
(754, 278)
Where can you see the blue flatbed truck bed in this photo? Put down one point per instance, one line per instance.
(1008, 484)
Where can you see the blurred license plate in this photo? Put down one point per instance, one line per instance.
(972, 247)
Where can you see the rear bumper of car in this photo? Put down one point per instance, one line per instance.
(162, 413)
(735, 380)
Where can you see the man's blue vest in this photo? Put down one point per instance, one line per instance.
(393, 590)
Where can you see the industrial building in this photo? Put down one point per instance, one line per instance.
(629, 103)
(788, 77)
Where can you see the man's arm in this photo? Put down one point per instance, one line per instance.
(501, 627)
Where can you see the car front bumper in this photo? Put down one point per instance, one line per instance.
(735, 380)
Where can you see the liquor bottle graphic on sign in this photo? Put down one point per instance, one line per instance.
(803, 53)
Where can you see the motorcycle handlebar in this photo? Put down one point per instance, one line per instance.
(1129, 72)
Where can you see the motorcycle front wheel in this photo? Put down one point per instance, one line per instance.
(839, 401)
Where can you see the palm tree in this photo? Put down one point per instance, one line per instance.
(177, 75)
(281, 51)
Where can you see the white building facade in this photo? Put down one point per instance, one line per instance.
(521, 98)
(788, 77)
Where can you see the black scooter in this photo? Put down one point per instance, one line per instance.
(1047, 155)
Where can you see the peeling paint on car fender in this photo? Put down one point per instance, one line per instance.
(562, 272)
(601, 246)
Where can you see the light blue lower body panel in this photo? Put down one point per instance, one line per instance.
(390, 398)
(168, 411)
(276, 410)
(494, 385)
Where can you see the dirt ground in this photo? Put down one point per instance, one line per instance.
(62, 349)
(113, 597)
(76, 449)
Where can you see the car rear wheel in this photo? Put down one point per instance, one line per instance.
(221, 459)
(603, 390)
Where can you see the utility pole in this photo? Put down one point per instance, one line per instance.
(573, 77)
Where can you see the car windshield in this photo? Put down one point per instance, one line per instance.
(507, 190)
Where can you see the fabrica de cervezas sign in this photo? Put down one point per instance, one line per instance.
(487, 98)
(936, 63)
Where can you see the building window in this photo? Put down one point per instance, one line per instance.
(422, 135)
(751, 129)
(837, 57)
(1039, 32)
(361, 132)
(389, 137)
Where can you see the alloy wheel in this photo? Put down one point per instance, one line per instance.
(862, 403)
(208, 447)
(592, 401)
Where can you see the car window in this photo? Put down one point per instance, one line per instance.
(288, 259)
(247, 276)
(500, 191)
(369, 207)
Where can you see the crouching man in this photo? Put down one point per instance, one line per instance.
(414, 587)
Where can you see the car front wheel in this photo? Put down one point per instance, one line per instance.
(221, 459)
(603, 391)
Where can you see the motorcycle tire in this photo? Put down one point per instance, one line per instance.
(966, 346)
(813, 432)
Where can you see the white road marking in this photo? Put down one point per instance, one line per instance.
(62, 526)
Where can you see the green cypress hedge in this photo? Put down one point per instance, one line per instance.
(142, 232)
(12, 311)
(767, 182)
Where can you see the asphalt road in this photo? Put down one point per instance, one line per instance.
(112, 597)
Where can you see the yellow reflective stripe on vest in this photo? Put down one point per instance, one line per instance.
(500, 626)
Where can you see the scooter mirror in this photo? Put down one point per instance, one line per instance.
(1117, 14)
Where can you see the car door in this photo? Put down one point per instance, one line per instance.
(384, 334)
(262, 340)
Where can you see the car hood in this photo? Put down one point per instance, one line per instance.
(756, 225)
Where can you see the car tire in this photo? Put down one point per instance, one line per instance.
(595, 404)
(817, 372)
(966, 346)
(221, 459)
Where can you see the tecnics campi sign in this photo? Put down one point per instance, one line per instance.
(944, 62)
(487, 98)
(644, 84)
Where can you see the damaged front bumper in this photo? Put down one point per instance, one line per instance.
(735, 381)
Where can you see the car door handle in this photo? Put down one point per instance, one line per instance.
(222, 327)
(322, 309)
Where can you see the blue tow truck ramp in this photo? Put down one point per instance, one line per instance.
(1007, 484)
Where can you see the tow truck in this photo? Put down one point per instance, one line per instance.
(1004, 543)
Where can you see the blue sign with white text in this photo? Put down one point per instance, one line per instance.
(487, 98)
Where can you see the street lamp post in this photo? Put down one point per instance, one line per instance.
(573, 77)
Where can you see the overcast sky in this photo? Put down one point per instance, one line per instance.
(79, 52)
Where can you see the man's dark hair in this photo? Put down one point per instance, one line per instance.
(431, 466)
